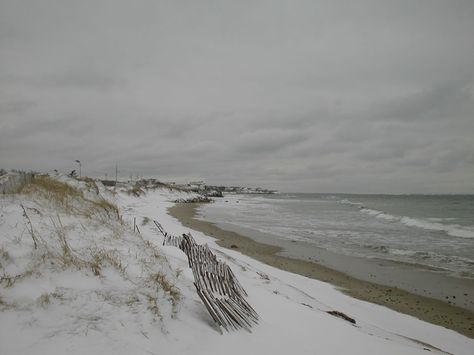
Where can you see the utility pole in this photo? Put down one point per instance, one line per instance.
(116, 174)
(79, 162)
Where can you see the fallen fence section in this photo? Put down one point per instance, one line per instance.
(220, 291)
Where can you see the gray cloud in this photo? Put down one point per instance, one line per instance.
(16, 107)
(431, 103)
(373, 96)
(81, 79)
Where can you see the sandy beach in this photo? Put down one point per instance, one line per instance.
(459, 319)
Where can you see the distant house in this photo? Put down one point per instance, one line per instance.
(197, 185)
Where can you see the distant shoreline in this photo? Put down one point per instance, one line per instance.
(428, 309)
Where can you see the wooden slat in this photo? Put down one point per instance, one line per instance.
(216, 284)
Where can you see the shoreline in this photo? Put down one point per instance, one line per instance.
(427, 309)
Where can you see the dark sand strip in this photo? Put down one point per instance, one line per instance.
(424, 308)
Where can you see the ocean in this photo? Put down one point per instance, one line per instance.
(432, 231)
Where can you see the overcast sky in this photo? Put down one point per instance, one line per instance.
(317, 96)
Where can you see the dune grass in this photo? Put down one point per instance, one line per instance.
(51, 189)
(162, 282)
(59, 246)
(67, 196)
(90, 183)
(135, 191)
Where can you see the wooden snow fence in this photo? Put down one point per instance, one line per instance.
(11, 182)
(220, 291)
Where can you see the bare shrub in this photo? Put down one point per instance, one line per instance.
(30, 227)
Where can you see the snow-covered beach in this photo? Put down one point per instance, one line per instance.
(88, 287)
(433, 296)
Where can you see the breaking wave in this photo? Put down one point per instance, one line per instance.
(431, 224)
(450, 229)
(347, 202)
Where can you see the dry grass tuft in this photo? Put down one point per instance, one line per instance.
(45, 299)
(153, 249)
(65, 195)
(90, 183)
(132, 300)
(109, 208)
(153, 306)
(101, 258)
(4, 255)
(4, 305)
(51, 189)
(135, 191)
(67, 256)
(9, 280)
(145, 221)
(161, 281)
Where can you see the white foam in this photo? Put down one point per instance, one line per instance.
(347, 202)
(450, 229)
(380, 214)
(402, 252)
(453, 230)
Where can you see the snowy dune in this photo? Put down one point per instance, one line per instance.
(92, 285)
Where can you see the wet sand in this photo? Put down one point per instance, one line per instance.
(425, 308)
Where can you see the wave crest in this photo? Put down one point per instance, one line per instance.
(453, 230)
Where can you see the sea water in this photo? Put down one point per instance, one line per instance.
(436, 231)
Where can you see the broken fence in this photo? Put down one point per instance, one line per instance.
(220, 291)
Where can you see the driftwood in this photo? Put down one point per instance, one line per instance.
(220, 291)
(342, 315)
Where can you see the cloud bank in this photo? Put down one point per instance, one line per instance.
(322, 96)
